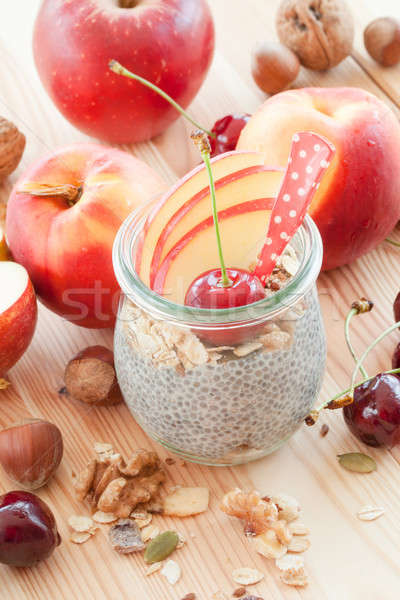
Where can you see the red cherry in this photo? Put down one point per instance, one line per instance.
(227, 130)
(374, 415)
(206, 291)
(396, 358)
(28, 530)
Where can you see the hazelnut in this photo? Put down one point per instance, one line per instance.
(274, 67)
(382, 40)
(12, 145)
(320, 32)
(30, 452)
(90, 377)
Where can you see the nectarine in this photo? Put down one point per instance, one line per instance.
(357, 204)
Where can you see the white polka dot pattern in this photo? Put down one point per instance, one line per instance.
(310, 156)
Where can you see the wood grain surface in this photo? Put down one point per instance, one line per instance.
(348, 559)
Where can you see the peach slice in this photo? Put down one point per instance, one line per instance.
(255, 182)
(242, 229)
(181, 194)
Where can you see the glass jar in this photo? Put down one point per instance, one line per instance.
(211, 402)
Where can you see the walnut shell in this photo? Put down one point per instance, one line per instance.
(320, 32)
(12, 144)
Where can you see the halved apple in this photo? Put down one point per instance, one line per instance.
(256, 182)
(18, 313)
(242, 227)
(181, 194)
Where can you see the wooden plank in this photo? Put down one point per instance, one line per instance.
(348, 560)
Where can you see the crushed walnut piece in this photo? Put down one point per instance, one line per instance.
(258, 514)
(118, 487)
(271, 521)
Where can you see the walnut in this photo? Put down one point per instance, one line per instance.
(258, 514)
(12, 145)
(115, 486)
(320, 32)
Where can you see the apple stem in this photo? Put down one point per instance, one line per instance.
(70, 192)
(4, 384)
(343, 398)
(393, 242)
(359, 307)
(202, 142)
(117, 68)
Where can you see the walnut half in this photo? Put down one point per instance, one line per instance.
(115, 486)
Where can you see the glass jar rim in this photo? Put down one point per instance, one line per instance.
(148, 300)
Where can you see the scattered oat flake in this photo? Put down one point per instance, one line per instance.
(186, 501)
(80, 523)
(247, 576)
(370, 513)
(268, 545)
(299, 544)
(294, 578)
(171, 571)
(290, 561)
(153, 568)
(103, 517)
(79, 537)
(298, 528)
(150, 532)
(246, 349)
(143, 522)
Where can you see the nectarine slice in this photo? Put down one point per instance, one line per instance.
(256, 182)
(180, 194)
(242, 229)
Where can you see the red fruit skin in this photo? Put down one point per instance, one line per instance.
(227, 130)
(17, 326)
(169, 42)
(67, 251)
(28, 530)
(396, 358)
(374, 415)
(204, 292)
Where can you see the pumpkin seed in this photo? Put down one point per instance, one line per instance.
(357, 462)
(161, 546)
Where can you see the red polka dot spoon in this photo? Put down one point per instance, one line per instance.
(309, 158)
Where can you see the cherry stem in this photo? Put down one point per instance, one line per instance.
(201, 140)
(393, 242)
(344, 392)
(117, 68)
(353, 311)
(368, 350)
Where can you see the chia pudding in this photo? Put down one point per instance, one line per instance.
(221, 405)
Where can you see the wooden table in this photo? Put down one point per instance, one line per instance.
(348, 559)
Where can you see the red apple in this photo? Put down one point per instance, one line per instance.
(18, 313)
(65, 243)
(197, 252)
(357, 204)
(169, 42)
